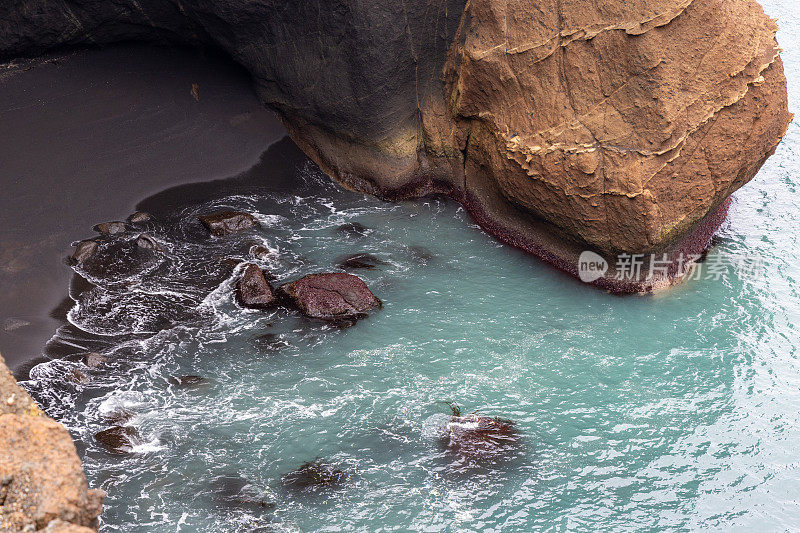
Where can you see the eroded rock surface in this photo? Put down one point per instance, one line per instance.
(42, 484)
(561, 125)
(331, 296)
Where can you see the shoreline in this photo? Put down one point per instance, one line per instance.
(91, 133)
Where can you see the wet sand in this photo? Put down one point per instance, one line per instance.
(85, 136)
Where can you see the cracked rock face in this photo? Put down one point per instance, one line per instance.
(618, 125)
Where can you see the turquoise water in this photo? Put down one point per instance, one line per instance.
(668, 412)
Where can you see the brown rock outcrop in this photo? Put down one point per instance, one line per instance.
(42, 484)
(621, 123)
(618, 126)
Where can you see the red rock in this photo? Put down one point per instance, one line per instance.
(253, 290)
(330, 296)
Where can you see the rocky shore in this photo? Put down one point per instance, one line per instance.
(619, 129)
(42, 484)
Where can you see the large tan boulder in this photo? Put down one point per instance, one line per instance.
(621, 123)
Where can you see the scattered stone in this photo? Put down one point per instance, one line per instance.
(313, 476)
(330, 296)
(78, 376)
(110, 228)
(354, 230)
(148, 243)
(93, 359)
(140, 217)
(361, 261)
(186, 382)
(253, 290)
(117, 439)
(84, 250)
(227, 222)
(261, 252)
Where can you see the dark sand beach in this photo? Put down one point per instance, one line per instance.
(86, 136)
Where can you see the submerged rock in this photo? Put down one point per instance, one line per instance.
(140, 217)
(261, 252)
(78, 376)
(360, 261)
(269, 342)
(227, 222)
(84, 250)
(186, 382)
(330, 296)
(117, 439)
(253, 290)
(118, 417)
(420, 254)
(353, 230)
(110, 228)
(235, 492)
(314, 476)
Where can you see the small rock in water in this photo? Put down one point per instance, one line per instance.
(365, 261)
(354, 229)
(261, 252)
(227, 222)
(78, 377)
(474, 435)
(253, 290)
(140, 217)
(330, 296)
(93, 359)
(313, 476)
(110, 228)
(84, 250)
(188, 381)
(117, 439)
(147, 242)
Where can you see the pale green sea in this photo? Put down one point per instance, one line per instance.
(676, 412)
